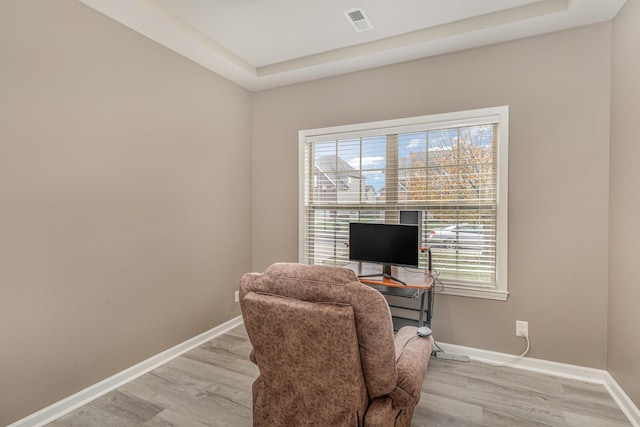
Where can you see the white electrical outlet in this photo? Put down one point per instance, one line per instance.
(236, 296)
(522, 328)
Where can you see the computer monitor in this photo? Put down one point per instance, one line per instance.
(386, 244)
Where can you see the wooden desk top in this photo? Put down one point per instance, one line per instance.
(413, 277)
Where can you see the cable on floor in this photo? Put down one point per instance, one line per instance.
(510, 360)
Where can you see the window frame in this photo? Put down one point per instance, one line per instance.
(499, 115)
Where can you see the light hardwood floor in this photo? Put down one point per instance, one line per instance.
(211, 386)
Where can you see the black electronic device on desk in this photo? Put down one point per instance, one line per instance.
(385, 244)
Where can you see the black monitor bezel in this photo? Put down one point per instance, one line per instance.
(383, 231)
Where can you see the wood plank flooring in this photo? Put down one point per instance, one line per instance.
(211, 386)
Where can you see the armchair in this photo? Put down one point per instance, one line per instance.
(325, 349)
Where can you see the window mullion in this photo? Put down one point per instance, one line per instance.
(391, 180)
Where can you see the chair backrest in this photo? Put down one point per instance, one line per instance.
(307, 371)
(309, 315)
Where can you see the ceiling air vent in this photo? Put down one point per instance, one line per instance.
(359, 19)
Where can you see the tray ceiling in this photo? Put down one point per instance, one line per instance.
(261, 44)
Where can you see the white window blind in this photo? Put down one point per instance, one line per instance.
(451, 168)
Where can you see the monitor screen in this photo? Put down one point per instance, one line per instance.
(389, 244)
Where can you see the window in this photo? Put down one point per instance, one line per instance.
(451, 168)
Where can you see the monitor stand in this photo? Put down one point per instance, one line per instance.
(386, 273)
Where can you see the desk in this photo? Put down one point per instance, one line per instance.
(419, 283)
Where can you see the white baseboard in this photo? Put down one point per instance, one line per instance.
(62, 407)
(581, 373)
(624, 402)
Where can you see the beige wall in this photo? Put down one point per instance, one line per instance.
(118, 238)
(125, 219)
(624, 228)
(558, 90)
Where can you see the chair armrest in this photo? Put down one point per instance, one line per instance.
(380, 413)
(412, 357)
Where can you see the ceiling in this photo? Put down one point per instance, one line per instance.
(261, 44)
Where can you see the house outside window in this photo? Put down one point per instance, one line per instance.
(452, 168)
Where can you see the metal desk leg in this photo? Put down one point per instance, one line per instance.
(429, 305)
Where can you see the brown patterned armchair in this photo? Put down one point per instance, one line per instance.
(326, 352)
